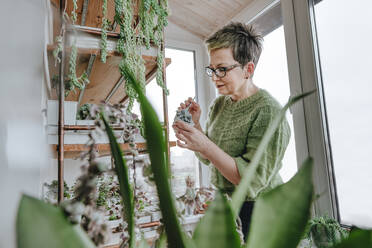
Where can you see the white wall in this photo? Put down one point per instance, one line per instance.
(22, 140)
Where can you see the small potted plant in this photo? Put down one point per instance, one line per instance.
(325, 232)
(83, 116)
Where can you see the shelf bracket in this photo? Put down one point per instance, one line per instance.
(113, 90)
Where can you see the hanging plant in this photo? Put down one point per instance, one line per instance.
(105, 26)
(58, 49)
(153, 18)
(73, 12)
(72, 80)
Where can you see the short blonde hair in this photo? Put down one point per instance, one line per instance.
(244, 41)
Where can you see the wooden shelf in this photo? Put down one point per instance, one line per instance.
(74, 150)
(104, 77)
(93, 14)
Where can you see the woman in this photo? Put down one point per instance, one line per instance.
(237, 120)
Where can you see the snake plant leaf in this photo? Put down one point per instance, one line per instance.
(156, 146)
(217, 228)
(125, 187)
(162, 241)
(280, 215)
(357, 238)
(241, 191)
(40, 224)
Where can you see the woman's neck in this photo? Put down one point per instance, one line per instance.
(246, 91)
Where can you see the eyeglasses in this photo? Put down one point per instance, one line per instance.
(219, 71)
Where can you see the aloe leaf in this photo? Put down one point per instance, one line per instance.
(217, 228)
(156, 146)
(280, 216)
(125, 187)
(40, 224)
(357, 238)
(241, 191)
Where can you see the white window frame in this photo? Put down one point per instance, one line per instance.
(309, 115)
(204, 91)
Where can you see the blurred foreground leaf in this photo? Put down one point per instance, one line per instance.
(280, 215)
(125, 188)
(40, 224)
(217, 229)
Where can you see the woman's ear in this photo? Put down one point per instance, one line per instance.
(249, 69)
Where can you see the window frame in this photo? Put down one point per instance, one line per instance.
(203, 91)
(309, 115)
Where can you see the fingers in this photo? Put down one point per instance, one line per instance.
(186, 103)
(181, 137)
(182, 126)
(180, 144)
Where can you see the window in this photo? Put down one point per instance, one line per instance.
(345, 51)
(181, 85)
(272, 74)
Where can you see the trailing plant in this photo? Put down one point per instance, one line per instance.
(72, 80)
(325, 232)
(105, 26)
(153, 16)
(152, 20)
(73, 12)
(58, 49)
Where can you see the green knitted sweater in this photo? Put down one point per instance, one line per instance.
(237, 127)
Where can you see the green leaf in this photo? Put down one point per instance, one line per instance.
(280, 215)
(40, 224)
(217, 228)
(357, 239)
(125, 187)
(162, 241)
(241, 191)
(156, 146)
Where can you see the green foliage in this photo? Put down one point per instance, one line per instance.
(105, 26)
(58, 48)
(42, 225)
(73, 12)
(158, 155)
(217, 228)
(357, 239)
(325, 232)
(84, 112)
(278, 221)
(123, 177)
(280, 216)
(72, 80)
(53, 191)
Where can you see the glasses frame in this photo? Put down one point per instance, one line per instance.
(223, 70)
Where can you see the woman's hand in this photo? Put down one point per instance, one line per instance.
(194, 110)
(191, 137)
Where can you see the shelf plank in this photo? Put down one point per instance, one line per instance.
(103, 77)
(74, 150)
(94, 14)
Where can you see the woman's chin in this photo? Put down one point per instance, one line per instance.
(222, 91)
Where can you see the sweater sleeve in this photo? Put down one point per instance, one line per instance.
(270, 162)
